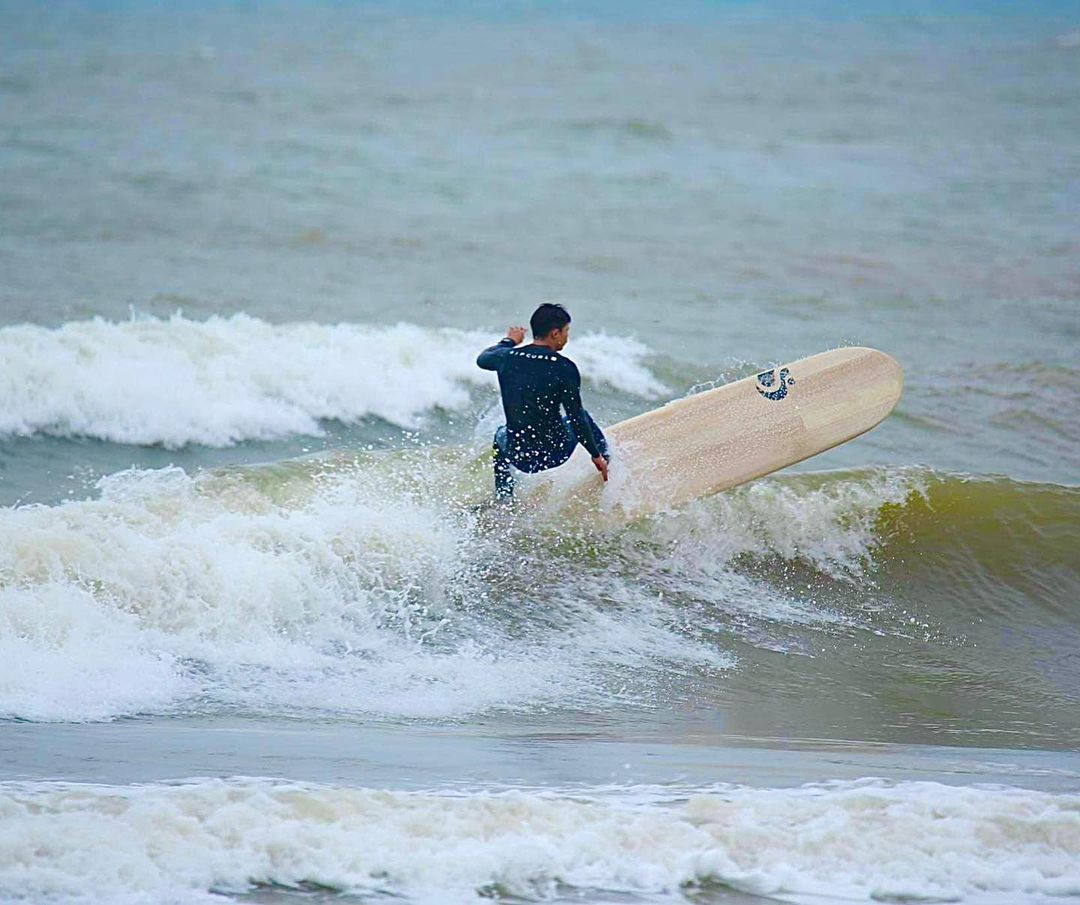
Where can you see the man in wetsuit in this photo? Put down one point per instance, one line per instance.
(536, 381)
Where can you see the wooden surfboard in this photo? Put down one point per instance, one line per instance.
(704, 443)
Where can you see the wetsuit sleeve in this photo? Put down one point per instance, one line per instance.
(493, 356)
(575, 411)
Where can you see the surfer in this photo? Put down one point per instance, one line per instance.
(535, 382)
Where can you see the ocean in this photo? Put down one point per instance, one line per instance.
(257, 644)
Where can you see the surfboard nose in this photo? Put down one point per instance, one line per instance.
(886, 369)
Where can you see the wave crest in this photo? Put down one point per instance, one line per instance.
(220, 381)
(364, 584)
(331, 585)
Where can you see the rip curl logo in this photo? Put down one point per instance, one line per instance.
(521, 354)
(774, 384)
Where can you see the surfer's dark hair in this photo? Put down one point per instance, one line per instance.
(548, 317)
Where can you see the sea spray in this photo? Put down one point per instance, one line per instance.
(368, 584)
(351, 587)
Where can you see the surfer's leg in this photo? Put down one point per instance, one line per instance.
(504, 477)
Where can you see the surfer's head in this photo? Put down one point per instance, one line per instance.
(550, 325)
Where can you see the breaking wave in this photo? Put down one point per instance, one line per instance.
(367, 584)
(349, 587)
(223, 380)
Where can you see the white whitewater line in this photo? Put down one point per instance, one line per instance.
(352, 591)
(860, 841)
(223, 380)
(348, 591)
(831, 526)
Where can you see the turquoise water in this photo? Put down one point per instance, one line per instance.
(254, 642)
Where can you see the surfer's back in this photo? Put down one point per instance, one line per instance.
(534, 381)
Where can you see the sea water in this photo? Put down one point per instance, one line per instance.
(257, 642)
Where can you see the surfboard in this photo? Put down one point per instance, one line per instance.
(714, 440)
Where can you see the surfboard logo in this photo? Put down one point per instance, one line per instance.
(774, 384)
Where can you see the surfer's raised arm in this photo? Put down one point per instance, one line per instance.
(489, 359)
(536, 383)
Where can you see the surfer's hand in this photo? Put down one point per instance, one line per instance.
(517, 334)
(601, 465)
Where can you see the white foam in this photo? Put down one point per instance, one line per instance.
(851, 841)
(827, 519)
(68, 658)
(226, 379)
(346, 589)
(365, 587)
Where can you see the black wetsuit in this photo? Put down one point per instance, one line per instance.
(536, 382)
